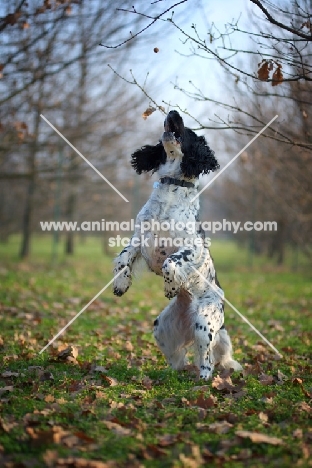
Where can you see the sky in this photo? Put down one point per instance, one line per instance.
(174, 63)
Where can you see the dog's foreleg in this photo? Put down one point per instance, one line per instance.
(177, 269)
(125, 261)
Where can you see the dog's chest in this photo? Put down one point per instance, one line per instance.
(167, 219)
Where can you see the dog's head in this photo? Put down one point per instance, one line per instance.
(177, 142)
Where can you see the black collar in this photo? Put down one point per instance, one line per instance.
(172, 181)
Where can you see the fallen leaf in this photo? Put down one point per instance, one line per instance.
(266, 379)
(257, 437)
(72, 462)
(8, 374)
(46, 375)
(167, 439)
(263, 417)
(49, 398)
(129, 346)
(117, 428)
(70, 352)
(8, 388)
(100, 369)
(196, 459)
(304, 407)
(299, 382)
(224, 382)
(81, 435)
(110, 380)
(297, 433)
(204, 402)
(147, 383)
(221, 427)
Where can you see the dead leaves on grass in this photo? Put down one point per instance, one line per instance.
(224, 383)
(259, 438)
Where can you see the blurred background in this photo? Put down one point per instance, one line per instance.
(92, 68)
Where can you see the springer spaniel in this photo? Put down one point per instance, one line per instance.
(169, 238)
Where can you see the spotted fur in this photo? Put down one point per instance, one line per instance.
(195, 314)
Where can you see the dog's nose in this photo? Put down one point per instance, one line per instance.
(174, 123)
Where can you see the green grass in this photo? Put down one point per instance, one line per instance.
(134, 410)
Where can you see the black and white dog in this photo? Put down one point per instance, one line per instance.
(169, 239)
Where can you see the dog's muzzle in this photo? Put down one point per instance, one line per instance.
(169, 137)
(174, 124)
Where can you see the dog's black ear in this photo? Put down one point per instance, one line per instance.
(148, 158)
(198, 157)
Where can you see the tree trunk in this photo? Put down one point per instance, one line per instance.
(26, 226)
(69, 242)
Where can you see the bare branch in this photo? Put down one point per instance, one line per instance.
(272, 20)
(155, 19)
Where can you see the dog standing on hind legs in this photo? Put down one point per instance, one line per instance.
(169, 238)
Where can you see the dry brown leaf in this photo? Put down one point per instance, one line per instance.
(277, 76)
(148, 112)
(259, 438)
(147, 383)
(221, 427)
(129, 346)
(264, 70)
(8, 388)
(100, 369)
(304, 406)
(196, 459)
(204, 402)
(45, 375)
(82, 436)
(71, 351)
(117, 428)
(297, 433)
(110, 380)
(224, 382)
(263, 417)
(49, 398)
(167, 439)
(266, 379)
(8, 374)
(203, 388)
(252, 369)
(72, 462)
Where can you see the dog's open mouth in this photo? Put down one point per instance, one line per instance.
(174, 127)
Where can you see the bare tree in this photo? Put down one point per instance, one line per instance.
(54, 66)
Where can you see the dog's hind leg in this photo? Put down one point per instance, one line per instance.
(222, 351)
(204, 336)
(173, 330)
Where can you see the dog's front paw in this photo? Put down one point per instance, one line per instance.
(172, 283)
(123, 282)
(205, 372)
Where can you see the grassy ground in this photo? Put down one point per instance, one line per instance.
(116, 403)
